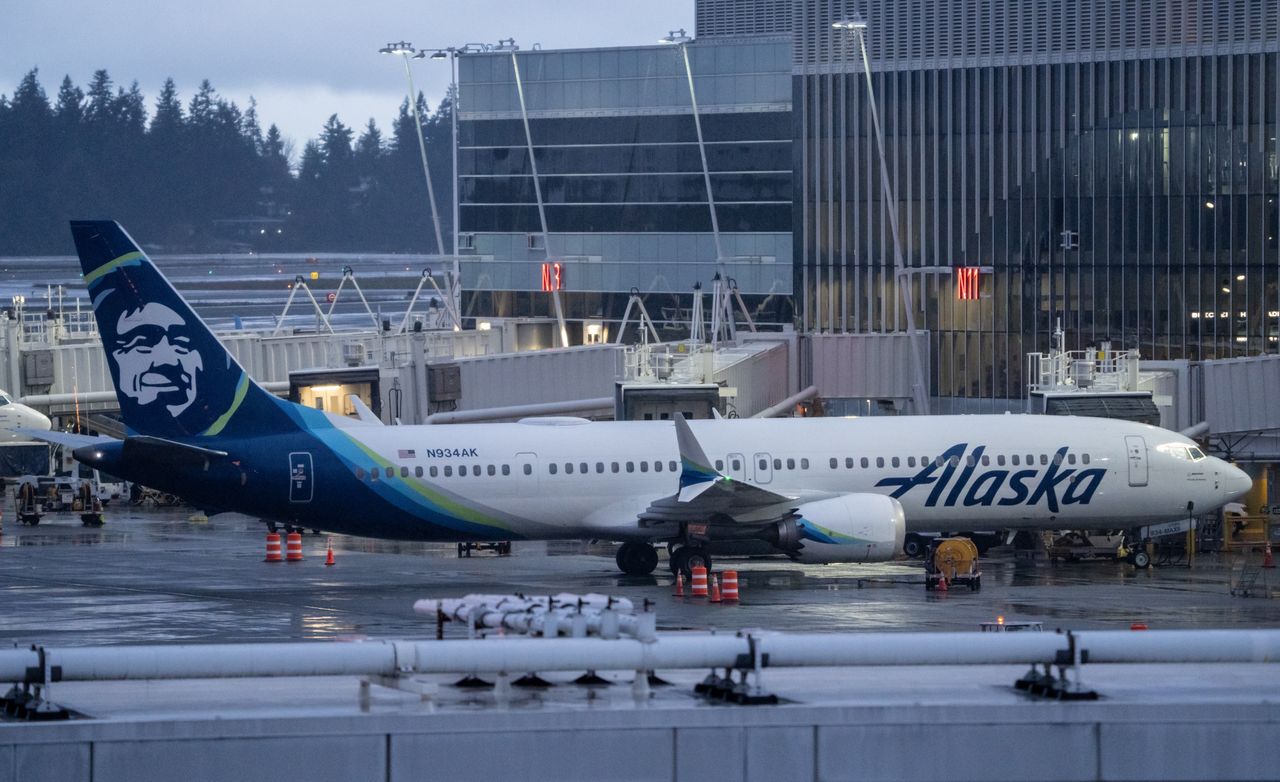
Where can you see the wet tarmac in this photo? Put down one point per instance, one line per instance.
(157, 576)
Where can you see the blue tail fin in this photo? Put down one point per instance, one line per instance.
(173, 378)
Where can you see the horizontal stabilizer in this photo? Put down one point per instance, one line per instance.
(64, 438)
(158, 449)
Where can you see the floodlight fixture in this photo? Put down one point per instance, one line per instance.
(400, 47)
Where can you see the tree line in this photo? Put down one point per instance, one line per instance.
(205, 176)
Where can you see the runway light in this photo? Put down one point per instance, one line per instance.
(1225, 289)
(999, 620)
(1133, 136)
(1208, 204)
(1242, 339)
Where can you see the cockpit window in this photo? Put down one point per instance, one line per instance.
(1196, 454)
(4, 400)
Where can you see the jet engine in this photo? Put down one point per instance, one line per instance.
(860, 527)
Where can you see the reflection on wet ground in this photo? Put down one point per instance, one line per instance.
(159, 576)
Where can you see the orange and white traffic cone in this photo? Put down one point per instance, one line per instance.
(698, 584)
(679, 586)
(328, 557)
(730, 586)
(273, 548)
(293, 547)
(942, 584)
(1267, 561)
(715, 589)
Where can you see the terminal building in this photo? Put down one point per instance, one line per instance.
(1110, 166)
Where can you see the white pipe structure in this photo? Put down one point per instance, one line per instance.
(668, 652)
(518, 411)
(788, 403)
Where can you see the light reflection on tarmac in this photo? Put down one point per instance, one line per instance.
(156, 576)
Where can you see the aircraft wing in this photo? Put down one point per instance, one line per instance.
(707, 495)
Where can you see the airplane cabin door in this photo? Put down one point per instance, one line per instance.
(1136, 448)
(737, 466)
(763, 466)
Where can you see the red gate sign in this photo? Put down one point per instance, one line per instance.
(967, 282)
(552, 277)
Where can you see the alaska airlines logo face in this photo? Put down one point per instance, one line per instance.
(1054, 486)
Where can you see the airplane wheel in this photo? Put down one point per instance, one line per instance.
(637, 559)
(686, 558)
(1141, 560)
(913, 547)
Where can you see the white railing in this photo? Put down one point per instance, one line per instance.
(1095, 370)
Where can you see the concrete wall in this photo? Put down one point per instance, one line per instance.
(955, 741)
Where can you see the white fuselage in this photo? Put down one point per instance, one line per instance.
(565, 478)
(15, 416)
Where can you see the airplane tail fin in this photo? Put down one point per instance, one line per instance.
(172, 376)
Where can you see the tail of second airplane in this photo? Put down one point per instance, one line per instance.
(172, 376)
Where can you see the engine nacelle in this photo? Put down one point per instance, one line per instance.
(861, 527)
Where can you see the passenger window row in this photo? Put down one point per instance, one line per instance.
(582, 468)
(1015, 460)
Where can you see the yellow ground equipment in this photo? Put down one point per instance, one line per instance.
(953, 561)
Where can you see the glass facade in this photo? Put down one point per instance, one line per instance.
(1112, 168)
(619, 172)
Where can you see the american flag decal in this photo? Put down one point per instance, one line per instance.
(407, 454)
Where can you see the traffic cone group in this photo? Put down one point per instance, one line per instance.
(328, 557)
(730, 586)
(273, 548)
(293, 547)
(698, 583)
(1267, 561)
(717, 588)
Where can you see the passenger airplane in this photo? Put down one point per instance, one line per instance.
(816, 490)
(16, 420)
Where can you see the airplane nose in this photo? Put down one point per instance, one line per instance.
(1235, 481)
(40, 420)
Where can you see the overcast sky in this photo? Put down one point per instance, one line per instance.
(302, 59)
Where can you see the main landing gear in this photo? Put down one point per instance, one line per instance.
(641, 559)
(637, 559)
(685, 558)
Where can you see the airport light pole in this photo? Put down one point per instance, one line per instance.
(681, 41)
(452, 53)
(405, 49)
(920, 390)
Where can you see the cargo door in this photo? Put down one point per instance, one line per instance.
(301, 477)
(1136, 448)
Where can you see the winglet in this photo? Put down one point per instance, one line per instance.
(363, 412)
(695, 467)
